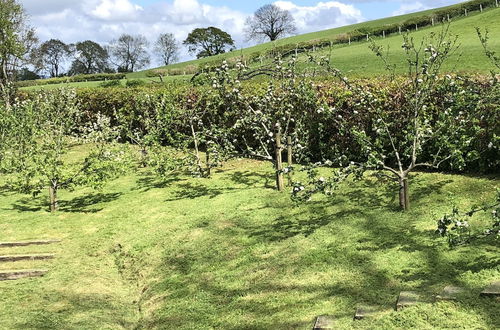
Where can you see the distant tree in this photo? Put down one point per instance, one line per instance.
(269, 21)
(208, 42)
(51, 55)
(26, 74)
(167, 48)
(90, 57)
(129, 52)
(16, 40)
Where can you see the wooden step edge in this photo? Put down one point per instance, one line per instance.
(493, 290)
(18, 274)
(21, 257)
(324, 322)
(27, 243)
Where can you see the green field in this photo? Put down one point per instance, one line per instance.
(232, 253)
(358, 60)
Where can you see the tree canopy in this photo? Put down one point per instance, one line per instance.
(16, 40)
(208, 41)
(51, 55)
(269, 21)
(129, 52)
(167, 48)
(90, 57)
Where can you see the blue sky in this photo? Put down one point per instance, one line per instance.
(104, 20)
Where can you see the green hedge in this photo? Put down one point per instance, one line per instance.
(474, 95)
(72, 79)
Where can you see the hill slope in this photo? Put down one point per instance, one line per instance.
(472, 56)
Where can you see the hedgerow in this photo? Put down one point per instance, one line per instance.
(316, 111)
(71, 79)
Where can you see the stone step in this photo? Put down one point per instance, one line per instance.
(323, 322)
(20, 257)
(450, 292)
(26, 243)
(18, 274)
(406, 299)
(493, 290)
(364, 311)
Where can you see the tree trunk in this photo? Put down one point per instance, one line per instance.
(196, 149)
(289, 150)
(53, 198)
(279, 162)
(208, 170)
(404, 197)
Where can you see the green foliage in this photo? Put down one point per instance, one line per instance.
(457, 229)
(77, 78)
(208, 41)
(110, 83)
(134, 83)
(40, 133)
(396, 142)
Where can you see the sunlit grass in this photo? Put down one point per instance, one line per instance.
(232, 253)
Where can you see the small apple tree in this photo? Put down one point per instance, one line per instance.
(392, 142)
(43, 132)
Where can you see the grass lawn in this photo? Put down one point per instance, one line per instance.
(232, 253)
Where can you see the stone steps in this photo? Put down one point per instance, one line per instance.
(406, 299)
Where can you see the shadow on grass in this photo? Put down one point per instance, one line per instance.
(83, 204)
(79, 308)
(148, 182)
(196, 190)
(253, 179)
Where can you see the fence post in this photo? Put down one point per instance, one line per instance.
(432, 19)
(289, 149)
(383, 33)
(350, 38)
(416, 27)
(367, 37)
(279, 162)
(448, 17)
(481, 7)
(400, 30)
(465, 10)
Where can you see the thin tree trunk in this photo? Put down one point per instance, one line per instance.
(279, 162)
(208, 170)
(197, 151)
(54, 205)
(404, 197)
(406, 193)
(289, 150)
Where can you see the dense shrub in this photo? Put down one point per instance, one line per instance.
(475, 97)
(78, 78)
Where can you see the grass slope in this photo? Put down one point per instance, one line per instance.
(357, 58)
(232, 253)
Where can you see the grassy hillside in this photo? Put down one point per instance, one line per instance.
(363, 62)
(232, 253)
(356, 59)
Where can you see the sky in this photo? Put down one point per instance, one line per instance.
(105, 20)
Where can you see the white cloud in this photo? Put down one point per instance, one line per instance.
(324, 15)
(115, 10)
(406, 8)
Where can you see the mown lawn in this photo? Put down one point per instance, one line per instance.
(232, 253)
